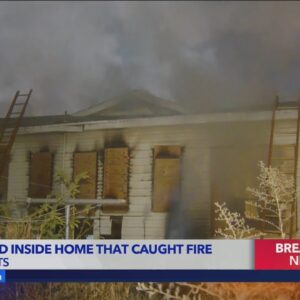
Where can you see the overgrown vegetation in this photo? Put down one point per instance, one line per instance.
(235, 226)
(47, 221)
(76, 291)
(274, 200)
(276, 193)
(221, 291)
(271, 207)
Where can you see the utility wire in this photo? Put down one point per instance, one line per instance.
(29, 221)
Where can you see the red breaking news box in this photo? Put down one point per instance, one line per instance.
(277, 254)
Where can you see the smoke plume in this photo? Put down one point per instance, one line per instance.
(208, 56)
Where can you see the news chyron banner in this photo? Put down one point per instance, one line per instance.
(149, 260)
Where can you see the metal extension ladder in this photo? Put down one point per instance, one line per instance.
(10, 126)
(283, 148)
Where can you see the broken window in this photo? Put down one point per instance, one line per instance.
(86, 162)
(166, 177)
(115, 178)
(41, 171)
(116, 228)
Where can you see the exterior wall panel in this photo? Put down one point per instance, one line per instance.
(139, 221)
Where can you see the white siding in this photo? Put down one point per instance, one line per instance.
(139, 222)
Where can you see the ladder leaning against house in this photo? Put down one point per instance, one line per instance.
(283, 149)
(10, 126)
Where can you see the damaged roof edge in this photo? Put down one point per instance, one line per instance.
(158, 121)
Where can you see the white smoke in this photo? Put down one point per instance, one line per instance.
(210, 56)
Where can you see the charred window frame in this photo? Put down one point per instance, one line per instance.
(116, 178)
(166, 176)
(86, 162)
(40, 174)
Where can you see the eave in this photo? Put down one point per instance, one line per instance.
(158, 121)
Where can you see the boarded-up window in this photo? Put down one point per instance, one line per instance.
(115, 181)
(40, 183)
(166, 177)
(86, 162)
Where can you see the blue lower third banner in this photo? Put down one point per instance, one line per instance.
(150, 276)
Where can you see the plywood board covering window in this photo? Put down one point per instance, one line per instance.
(166, 176)
(115, 177)
(40, 182)
(86, 162)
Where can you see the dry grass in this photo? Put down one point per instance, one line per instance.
(223, 291)
(74, 291)
(128, 291)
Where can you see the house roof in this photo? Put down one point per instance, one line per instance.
(129, 105)
(136, 109)
(133, 103)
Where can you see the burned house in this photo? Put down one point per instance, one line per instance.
(169, 165)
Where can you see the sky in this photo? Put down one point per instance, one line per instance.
(208, 56)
